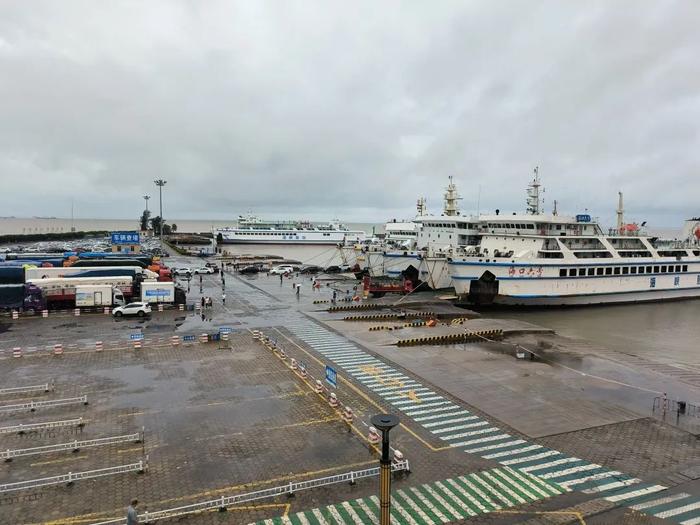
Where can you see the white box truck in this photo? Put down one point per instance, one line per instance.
(157, 292)
(98, 295)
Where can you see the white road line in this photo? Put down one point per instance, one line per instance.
(534, 457)
(442, 501)
(613, 485)
(549, 464)
(457, 501)
(496, 445)
(449, 421)
(636, 493)
(481, 440)
(678, 510)
(592, 477)
(658, 501)
(427, 408)
(566, 472)
(489, 430)
(460, 427)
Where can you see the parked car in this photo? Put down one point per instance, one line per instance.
(310, 269)
(139, 308)
(282, 269)
(213, 266)
(203, 269)
(182, 271)
(250, 269)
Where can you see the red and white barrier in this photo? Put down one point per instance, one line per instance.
(398, 456)
(348, 415)
(160, 307)
(302, 371)
(224, 336)
(333, 400)
(44, 313)
(282, 354)
(373, 435)
(319, 387)
(17, 351)
(293, 364)
(106, 310)
(58, 349)
(175, 340)
(181, 307)
(15, 314)
(204, 338)
(76, 312)
(98, 346)
(137, 344)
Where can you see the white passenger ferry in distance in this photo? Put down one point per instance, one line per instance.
(546, 259)
(253, 230)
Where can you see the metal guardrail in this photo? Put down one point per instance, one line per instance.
(290, 488)
(33, 405)
(69, 478)
(74, 445)
(27, 427)
(25, 389)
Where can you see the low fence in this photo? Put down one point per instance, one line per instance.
(46, 387)
(288, 489)
(29, 427)
(73, 446)
(680, 413)
(50, 403)
(71, 477)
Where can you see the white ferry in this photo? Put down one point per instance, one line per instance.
(253, 230)
(550, 260)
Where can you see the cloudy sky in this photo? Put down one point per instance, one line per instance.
(351, 110)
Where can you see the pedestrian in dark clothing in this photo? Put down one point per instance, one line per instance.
(281, 278)
(223, 299)
(132, 517)
(203, 302)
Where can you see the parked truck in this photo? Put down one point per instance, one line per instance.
(25, 297)
(98, 295)
(61, 291)
(88, 271)
(162, 292)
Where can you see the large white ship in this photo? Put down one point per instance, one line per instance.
(547, 259)
(253, 230)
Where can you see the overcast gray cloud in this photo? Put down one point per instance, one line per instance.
(351, 110)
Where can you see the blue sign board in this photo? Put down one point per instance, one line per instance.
(188, 337)
(136, 337)
(225, 330)
(583, 218)
(126, 238)
(158, 292)
(331, 376)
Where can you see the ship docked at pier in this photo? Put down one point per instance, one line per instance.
(253, 230)
(540, 259)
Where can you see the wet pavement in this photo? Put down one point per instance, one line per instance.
(222, 418)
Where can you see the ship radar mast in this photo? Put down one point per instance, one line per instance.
(421, 207)
(534, 203)
(451, 198)
(620, 212)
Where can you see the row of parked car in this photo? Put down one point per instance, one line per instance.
(208, 268)
(285, 269)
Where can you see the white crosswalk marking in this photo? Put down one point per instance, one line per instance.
(415, 508)
(426, 408)
(348, 508)
(445, 505)
(317, 514)
(365, 508)
(494, 480)
(479, 492)
(481, 440)
(454, 499)
(636, 493)
(419, 400)
(460, 427)
(592, 477)
(613, 485)
(496, 445)
(512, 451)
(396, 505)
(549, 464)
(335, 514)
(678, 510)
(659, 501)
(303, 519)
(455, 486)
(523, 479)
(452, 411)
(566, 472)
(449, 421)
(534, 457)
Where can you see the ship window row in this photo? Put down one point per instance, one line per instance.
(512, 226)
(271, 233)
(621, 270)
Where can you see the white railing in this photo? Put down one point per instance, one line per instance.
(69, 478)
(33, 405)
(25, 389)
(27, 427)
(71, 445)
(290, 488)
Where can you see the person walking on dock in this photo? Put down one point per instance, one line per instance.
(203, 302)
(132, 517)
(223, 298)
(281, 279)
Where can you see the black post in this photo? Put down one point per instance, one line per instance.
(384, 423)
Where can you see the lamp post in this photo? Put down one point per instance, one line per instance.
(384, 423)
(160, 183)
(146, 197)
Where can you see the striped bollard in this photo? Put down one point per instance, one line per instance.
(44, 313)
(224, 336)
(348, 415)
(282, 355)
(137, 344)
(58, 349)
(15, 314)
(302, 370)
(76, 312)
(293, 364)
(160, 307)
(17, 351)
(106, 310)
(181, 307)
(373, 435)
(333, 400)
(319, 387)
(204, 338)
(98, 346)
(175, 340)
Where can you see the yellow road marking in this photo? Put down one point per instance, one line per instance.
(215, 492)
(367, 398)
(53, 461)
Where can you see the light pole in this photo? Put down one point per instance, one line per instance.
(146, 197)
(385, 422)
(160, 183)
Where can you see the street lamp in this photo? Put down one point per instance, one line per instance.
(146, 197)
(160, 183)
(385, 422)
